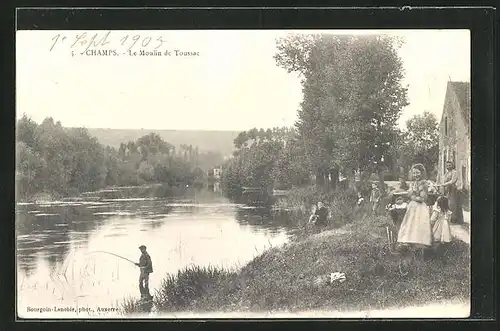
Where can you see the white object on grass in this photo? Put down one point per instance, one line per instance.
(337, 276)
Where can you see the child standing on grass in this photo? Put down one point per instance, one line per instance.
(440, 221)
(375, 197)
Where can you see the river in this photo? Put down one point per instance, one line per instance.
(63, 261)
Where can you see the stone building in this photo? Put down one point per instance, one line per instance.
(214, 178)
(217, 173)
(455, 132)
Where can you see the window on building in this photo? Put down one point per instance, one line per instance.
(446, 126)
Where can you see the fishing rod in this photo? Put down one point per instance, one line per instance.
(119, 256)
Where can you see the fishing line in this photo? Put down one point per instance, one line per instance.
(91, 262)
(119, 256)
(59, 277)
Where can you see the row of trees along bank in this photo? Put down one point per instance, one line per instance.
(348, 120)
(61, 161)
(265, 159)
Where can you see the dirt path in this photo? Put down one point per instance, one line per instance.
(460, 231)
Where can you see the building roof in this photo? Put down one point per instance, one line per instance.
(462, 92)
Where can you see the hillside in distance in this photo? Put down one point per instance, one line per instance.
(215, 141)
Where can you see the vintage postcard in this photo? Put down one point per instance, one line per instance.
(243, 173)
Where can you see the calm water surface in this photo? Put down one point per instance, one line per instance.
(62, 245)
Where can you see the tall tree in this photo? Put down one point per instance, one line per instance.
(420, 142)
(289, 169)
(267, 159)
(29, 168)
(353, 97)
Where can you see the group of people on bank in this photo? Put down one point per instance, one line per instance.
(426, 223)
(420, 221)
(421, 210)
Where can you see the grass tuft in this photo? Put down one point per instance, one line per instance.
(131, 306)
(182, 291)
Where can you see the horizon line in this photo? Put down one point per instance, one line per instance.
(151, 129)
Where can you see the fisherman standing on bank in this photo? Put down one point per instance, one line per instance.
(146, 266)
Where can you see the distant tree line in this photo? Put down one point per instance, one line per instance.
(265, 159)
(63, 161)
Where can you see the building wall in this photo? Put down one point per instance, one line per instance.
(463, 151)
(446, 136)
(217, 172)
(454, 140)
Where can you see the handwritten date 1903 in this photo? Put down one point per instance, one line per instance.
(96, 40)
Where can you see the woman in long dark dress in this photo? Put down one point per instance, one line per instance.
(452, 192)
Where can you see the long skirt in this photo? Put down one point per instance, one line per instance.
(455, 203)
(441, 231)
(416, 225)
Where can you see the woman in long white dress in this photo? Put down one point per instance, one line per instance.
(416, 228)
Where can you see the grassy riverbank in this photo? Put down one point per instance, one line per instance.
(294, 277)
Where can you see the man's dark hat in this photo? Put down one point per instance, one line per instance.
(142, 247)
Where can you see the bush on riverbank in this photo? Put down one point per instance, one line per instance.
(182, 291)
(294, 277)
(130, 306)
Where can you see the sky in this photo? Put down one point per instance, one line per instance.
(232, 84)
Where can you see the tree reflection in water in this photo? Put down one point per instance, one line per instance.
(263, 217)
(54, 228)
